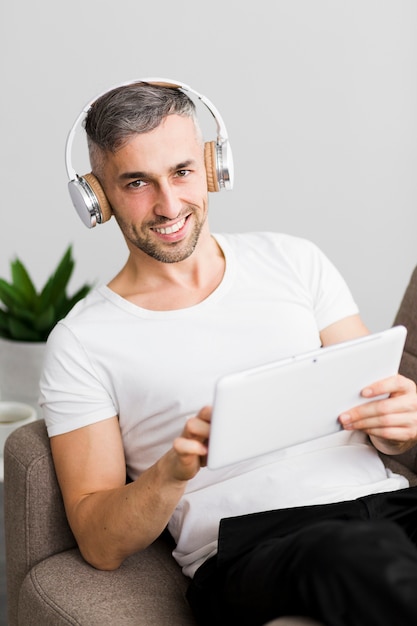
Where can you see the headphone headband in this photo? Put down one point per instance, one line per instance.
(86, 193)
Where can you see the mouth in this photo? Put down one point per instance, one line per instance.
(169, 230)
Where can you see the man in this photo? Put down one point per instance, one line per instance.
(129, 378)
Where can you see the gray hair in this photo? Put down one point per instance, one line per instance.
(128, 110)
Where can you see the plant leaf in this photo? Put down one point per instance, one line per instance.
(25, 314)
(11, 296)
(45, 321)
(23, 282)
(4, 321)
(45, 297)
(58, 281)
(20, 332)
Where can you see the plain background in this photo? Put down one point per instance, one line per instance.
(319, 99)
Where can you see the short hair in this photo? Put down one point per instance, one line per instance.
(128, 110)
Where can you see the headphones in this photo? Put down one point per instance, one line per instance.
(86, 192)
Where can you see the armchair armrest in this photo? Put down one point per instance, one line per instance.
(32, 503)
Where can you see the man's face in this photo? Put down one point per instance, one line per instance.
(156, 185)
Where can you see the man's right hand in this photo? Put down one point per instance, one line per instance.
(192, 445)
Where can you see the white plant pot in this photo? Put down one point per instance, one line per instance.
(20, 369)
(13, 415)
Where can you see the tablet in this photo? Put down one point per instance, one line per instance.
(297, 399)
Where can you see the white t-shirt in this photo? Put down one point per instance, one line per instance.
(154, 369)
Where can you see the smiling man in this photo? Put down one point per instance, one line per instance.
(324, 530)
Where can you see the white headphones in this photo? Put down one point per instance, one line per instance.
(87, 194)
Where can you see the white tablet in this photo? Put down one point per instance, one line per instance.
(297, 399)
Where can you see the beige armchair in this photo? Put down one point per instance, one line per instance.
(48, 582)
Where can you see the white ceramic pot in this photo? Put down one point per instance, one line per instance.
(13, 415)
(20, 370)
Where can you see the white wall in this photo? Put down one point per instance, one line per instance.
(320, 101)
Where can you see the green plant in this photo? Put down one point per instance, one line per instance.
(29, 315)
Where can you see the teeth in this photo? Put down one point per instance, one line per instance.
(171, 229)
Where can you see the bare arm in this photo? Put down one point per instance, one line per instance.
(111, 520)
(347, 328)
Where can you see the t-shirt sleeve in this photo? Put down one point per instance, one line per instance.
(331, 298)
(71, 392)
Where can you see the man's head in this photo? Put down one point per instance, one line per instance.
(133, 110)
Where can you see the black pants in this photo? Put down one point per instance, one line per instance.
(346, 564)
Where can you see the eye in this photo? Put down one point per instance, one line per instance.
(137, 184)
(182, 173)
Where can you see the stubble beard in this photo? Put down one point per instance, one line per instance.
(158, 250)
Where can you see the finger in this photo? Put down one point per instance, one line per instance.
(196, 428)
(381, 422)
(379, 408)
(392, 385)
(190, 455)
(400, 427)
(189, 447)
(401, 433)
(205, 414)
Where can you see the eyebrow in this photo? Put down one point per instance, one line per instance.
(146, 175)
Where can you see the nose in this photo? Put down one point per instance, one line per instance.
(167, 202)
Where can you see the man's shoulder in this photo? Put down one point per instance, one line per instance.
(95, 298)
(85, 320)
(88, 311)
(266, 241)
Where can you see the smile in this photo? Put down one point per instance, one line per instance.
(168, 230)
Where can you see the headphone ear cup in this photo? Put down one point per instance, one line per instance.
(210, 161)
(103, 203)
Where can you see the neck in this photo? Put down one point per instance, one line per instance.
(166, 286)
